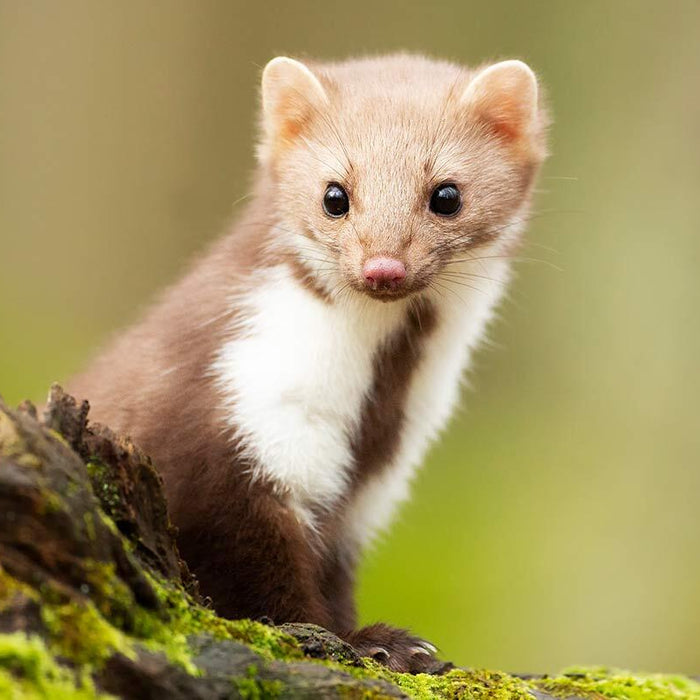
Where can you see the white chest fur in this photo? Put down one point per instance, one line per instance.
(432, 396)
(295, 375)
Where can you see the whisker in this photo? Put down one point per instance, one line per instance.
(236, 202)
(514, 258)
(541, 246)
(464, 284)
(445, 287)
(465, 237)
(431, 285)
(471, 275)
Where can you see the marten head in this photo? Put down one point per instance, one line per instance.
(383, 172)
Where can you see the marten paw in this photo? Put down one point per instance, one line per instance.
(397, 649)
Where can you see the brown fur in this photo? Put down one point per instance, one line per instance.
(390, 130)
(377, 439)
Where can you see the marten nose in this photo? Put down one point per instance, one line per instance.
(382, 273)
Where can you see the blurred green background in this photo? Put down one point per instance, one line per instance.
(559, 520)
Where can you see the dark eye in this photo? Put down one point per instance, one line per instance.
(445, 200)
(335, 201)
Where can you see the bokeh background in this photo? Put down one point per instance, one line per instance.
(559, 520)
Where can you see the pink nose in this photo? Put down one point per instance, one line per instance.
(384, 273)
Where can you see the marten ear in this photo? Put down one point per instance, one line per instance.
(291, 95)
(504, 98)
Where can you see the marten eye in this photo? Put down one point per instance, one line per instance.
(445, 200)
(335, 201)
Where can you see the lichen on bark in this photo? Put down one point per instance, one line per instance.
(96, 602)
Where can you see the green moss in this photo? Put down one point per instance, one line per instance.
(111, 595)
(11, 442)
(109, 523)
(27, 459)
(459, 683)
(50, 502)
(87, 628)
(55, 434)
(10, 587)
(185, 618)
(596, 684)
(266, 641)
(89, 631)
(476, 685)
(104, 483)
(28, 671)
(253, 688)
(79, 633)
(89, 525)
(622, 685)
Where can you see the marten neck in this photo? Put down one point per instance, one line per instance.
(325, 393)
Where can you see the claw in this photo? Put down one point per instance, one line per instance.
(419, 651)
(380, 654)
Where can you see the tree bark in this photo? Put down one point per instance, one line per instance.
(95, 599)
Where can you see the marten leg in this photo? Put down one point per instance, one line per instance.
(395, 648)
(338, 588)
(252, 558)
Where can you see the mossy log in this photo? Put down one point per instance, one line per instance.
(96, 602)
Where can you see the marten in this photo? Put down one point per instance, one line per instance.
(288, 386)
